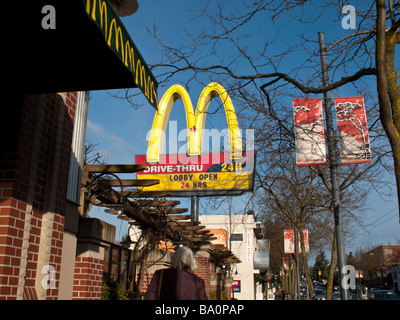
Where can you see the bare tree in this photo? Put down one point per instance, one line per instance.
(358, 59)
(259, 79)
(91, 156)
(303, 195)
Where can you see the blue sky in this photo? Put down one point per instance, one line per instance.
(120, 130)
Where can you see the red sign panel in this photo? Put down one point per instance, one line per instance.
(235, 286)
(288, 238)
(353, 130)
(309, 132)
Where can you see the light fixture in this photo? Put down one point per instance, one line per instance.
(120, 210)
(180, 242)
(223, 263)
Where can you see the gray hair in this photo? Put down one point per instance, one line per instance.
(183, 258)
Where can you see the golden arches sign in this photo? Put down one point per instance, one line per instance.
(195, 121)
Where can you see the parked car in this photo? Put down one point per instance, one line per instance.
(336, 296)
(372, 289)
(319, 294)
(383, 295)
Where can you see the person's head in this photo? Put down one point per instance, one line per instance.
(183, 258)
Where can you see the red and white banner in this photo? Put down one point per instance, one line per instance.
(285, 262)
(309, 132)
(288, 241)
(353, 130)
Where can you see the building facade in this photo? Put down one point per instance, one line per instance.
(35, 158)
(242, 235)
(46, 251)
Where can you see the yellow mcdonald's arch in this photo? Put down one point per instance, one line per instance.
(118, 36)
(195, 122)
(118, 40)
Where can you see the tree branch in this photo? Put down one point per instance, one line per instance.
(278, 76)
(344, 80)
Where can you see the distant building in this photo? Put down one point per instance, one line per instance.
(381, 267)
(243, 233)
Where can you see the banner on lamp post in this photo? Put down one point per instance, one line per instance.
(353, 130)
(288, 241)
(309, 132)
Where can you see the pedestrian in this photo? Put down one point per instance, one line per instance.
(283, 294)
(178, 282)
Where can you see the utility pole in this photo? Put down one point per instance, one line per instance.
(333, 167)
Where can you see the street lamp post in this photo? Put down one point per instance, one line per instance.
(333, 166)
(296, 250)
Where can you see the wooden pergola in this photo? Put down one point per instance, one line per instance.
(222, 254)
(129, 200)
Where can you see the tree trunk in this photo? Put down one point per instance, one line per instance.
(305, 264)
(290, 277)
(293, 290)
(332, 267)
(387, 86)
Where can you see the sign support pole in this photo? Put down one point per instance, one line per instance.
(195, 208)
(333, 167)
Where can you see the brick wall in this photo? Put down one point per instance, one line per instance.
(146, 281)
(94, 236)
(218, 288)
(88, 278)
(203, 271)
(35, 148)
